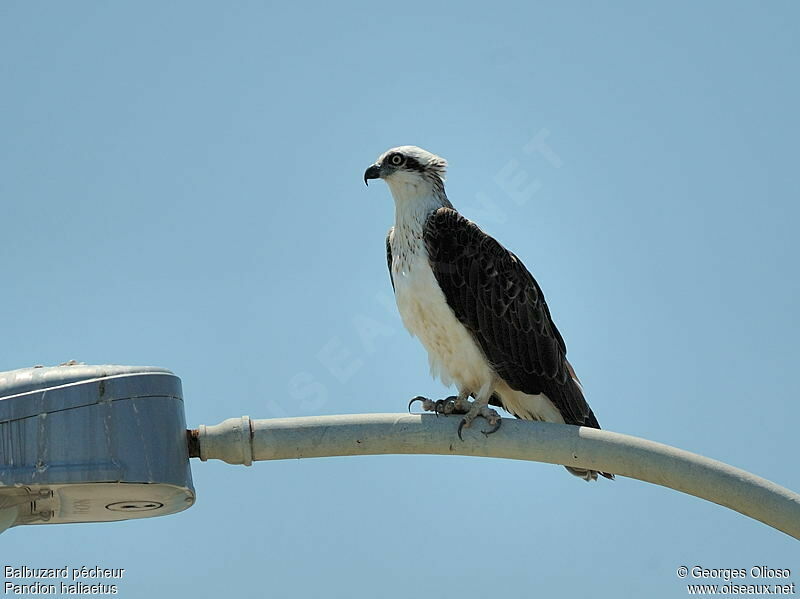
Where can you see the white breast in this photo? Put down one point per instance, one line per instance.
(453, 355)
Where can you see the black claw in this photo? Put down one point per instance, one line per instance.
(460, 427)
(494, 429)
(418, 398)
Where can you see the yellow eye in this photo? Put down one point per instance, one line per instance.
(396, 159)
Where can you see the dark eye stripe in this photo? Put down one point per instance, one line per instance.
(407, 162)
(413, 164)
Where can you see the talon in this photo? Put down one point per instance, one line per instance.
(460, 427)
(494, 429)
(418, 398)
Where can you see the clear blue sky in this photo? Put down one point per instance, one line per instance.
(181, 186)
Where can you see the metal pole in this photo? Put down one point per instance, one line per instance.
(243, 441)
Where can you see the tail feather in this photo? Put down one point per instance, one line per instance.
(588, 475)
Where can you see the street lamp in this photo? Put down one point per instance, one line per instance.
(83, 443)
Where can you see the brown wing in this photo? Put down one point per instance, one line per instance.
(497, 299)
(389, 254)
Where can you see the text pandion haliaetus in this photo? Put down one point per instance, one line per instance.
(474, 306)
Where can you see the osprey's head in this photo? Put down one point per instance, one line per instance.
(408, 166)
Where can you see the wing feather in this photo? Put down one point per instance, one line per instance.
(492, 294)
(389, 253)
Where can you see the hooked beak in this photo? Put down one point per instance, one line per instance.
(373, 172)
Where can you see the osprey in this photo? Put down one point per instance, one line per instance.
(474, 306)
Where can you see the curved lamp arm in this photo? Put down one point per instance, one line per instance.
(243, 441)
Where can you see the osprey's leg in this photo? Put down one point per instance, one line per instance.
(480, 407)
(460, 404)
